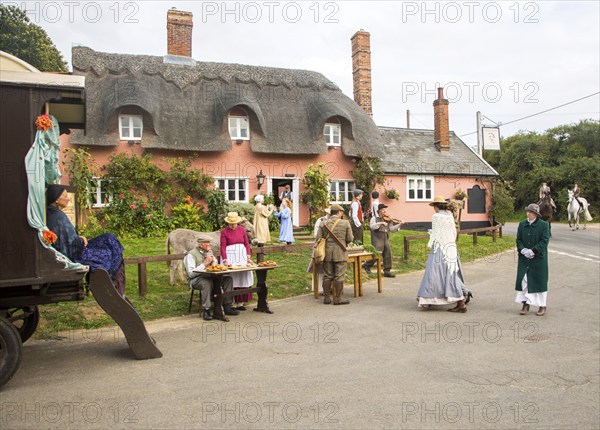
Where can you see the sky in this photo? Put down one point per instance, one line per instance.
(506, 59)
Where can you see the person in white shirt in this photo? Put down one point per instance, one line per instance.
(374, 203)
(310, 263)
(356, 215)
(286, 193)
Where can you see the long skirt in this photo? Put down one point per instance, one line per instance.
(106, 252)
(440, 286)
(237, 256)
(535, 299)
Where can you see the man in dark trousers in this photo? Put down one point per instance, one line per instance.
(339, 234)
(356, 216)
(380, 239)
(196, 261)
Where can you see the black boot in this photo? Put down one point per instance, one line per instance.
(389, 274)
(206, 315)
(229, 310)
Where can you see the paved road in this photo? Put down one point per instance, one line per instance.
(378, 363)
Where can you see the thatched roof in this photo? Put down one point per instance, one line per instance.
(411, 151)
(185, 105)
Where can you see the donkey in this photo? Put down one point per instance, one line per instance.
(574, 209)
(183, 240)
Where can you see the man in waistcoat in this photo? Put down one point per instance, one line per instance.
(380, 239)
(356, 216)
(198, 259)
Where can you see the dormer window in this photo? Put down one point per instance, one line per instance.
(333, 133)
(239, 124)
(130, 127)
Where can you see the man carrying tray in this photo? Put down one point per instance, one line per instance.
(196, 261)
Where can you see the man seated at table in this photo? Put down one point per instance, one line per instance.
(197, 260)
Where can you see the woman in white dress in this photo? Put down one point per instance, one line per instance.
(442, 282)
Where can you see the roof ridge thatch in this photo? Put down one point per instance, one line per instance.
(101, 63)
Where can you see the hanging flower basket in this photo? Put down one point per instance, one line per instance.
(460, 194)
(392, 194)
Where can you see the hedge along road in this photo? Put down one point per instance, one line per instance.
(378, 363)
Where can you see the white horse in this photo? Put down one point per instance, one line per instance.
(574, 209)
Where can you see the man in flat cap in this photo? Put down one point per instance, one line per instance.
(197, 260)
(338, 234)
(380, 239)
(533, 236)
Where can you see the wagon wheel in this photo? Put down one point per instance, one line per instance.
(25, 320)
(10, 350)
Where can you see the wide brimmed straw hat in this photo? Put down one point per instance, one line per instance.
(233, 218)
(438, 200)
(532, 207)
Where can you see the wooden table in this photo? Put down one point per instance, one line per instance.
(356, 260)
(261, 285)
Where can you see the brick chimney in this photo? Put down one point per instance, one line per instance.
(441, 123)
(361, 70)
(179, 33)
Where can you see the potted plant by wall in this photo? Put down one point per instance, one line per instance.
(392, 194)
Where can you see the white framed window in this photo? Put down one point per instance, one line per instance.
(130, 127)
(333, 134)
(341, 192)
(419, 188)
(100, 197)
(235, 189)
(239, 127)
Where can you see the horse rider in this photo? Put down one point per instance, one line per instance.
(576, 192)
(545, 192)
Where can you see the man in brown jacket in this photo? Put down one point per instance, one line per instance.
(336, 255)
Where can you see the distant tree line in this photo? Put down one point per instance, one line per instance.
(560, 156)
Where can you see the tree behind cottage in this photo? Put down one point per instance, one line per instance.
(560, 156)
(27, 41)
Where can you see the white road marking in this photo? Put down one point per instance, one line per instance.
(575, 256)
(588, 255)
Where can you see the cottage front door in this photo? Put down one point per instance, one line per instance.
(275, 186)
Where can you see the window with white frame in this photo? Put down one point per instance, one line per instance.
(419, 188)
(333, 134)
(130, 127)
(341, 192)
(239, 127)
(100, 196)
(235, 189)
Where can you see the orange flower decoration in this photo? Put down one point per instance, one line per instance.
(43, 122)
(49, 236)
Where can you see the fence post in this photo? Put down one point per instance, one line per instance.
(260, 255)
(474, 239)
(500, 232)
(142, 279)
(406, 248)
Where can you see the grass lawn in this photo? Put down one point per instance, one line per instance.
(164, 300)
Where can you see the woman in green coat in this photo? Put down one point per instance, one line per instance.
(533, 236)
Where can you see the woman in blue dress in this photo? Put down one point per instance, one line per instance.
(286, 230)
(104, 251)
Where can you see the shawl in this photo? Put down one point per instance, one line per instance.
(443, 238)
